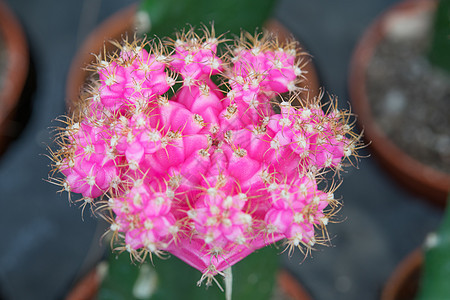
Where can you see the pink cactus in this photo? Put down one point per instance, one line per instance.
(213, 173)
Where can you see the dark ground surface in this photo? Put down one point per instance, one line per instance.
(45, 246)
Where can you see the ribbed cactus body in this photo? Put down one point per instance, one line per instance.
(183, 151)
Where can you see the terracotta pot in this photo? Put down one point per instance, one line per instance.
(15, 74)
(87, 288)
(291, 287)
(122, 24)
(420, 178)
(403, 284)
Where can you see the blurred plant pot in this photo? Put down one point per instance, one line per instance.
(418, 176)
(404, 282)
(288, 287)
(122, 24)
(14, 68)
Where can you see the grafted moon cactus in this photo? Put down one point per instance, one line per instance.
(203, 155)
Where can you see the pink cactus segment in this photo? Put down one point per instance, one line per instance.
(86, 139)
(240, 165)
(194, 60)
(134, 154)
(145, 216)
(171, 155)
(92, 167)
(217, 175)
(201, 96)
(264, 145)
(177, 151)
(177, 118)
(219, 220)
(181, 149)
(90, 178)
(296, 209)
(249, 104)
(191, 171)
(282, 74)
(113, 80)
(195, 255)
(232, 118)
(134, 77)
(129, 53)
(245, 88)
(319, 138)
(333, 142)
(268, 143)
(95, 111)
(135, 137)
(307, 134)
(238, 114)
(267, 71)
(148, 77)
(276, 220)
(279, 129)
(195, 144)
(249, 61)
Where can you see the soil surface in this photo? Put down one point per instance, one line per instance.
(410, 98)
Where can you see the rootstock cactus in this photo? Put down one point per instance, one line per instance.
(203, 155)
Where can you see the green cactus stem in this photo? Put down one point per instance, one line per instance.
(439, 53)
(173, 279)
(435, 284)
(228, 16)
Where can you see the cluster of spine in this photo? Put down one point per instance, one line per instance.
(182, 150)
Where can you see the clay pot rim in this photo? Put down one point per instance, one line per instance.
(18, 64)
(410, 264)
(122, 23)
(115, 26)
(386, 151)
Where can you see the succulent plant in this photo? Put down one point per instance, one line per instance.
(440, 41)
(436, 266)
(202, 154)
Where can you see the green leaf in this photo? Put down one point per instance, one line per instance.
(253, 278)
(169, 16)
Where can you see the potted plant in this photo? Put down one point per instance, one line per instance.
(399, 87)
(14, 65)
(177, 144)
(424, 273)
